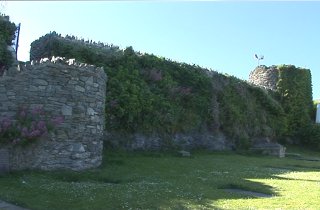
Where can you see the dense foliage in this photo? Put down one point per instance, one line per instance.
(145, 93)
(309, 134)
(150, 94)
(248, 111)
(7, 32)
(294, 87)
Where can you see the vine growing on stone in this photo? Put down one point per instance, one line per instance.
(27, 126)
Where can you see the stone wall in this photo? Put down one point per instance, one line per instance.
(155, 142)
(61, 87)
(264, 76)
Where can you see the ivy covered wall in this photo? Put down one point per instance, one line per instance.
(295, 90)
(156, 96)
(292, 87)
(147, 93)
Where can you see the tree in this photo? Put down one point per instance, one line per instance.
(7, 35)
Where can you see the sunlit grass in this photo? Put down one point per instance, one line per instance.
(165, 181)
(294, 190)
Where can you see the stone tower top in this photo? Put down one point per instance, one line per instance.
(264, 76)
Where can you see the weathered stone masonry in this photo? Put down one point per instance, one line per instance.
(61, 87)
(264, 76)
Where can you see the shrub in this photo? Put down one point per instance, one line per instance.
(7, 33)
(309, 135)
(26, 127)
(295, 90)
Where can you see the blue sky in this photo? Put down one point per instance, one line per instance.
(222, 36)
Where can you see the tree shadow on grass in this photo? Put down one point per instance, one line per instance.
(169, 182)
(234, 190)
(244, 188)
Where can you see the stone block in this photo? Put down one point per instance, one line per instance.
(66, 110)
(272, 149)
(79, 88)
(91, 111)
(89, 81)
(40, 82)
(184, 153)
(82, 156)
(77, 147)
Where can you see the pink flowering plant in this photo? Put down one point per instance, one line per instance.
(27, 126)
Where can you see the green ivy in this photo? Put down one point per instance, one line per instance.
(309, 134)
(150, 94)
(145, 93)
(295, 91)
(247, 111)
(7, 33)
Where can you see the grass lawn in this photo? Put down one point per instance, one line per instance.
(165, 181)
